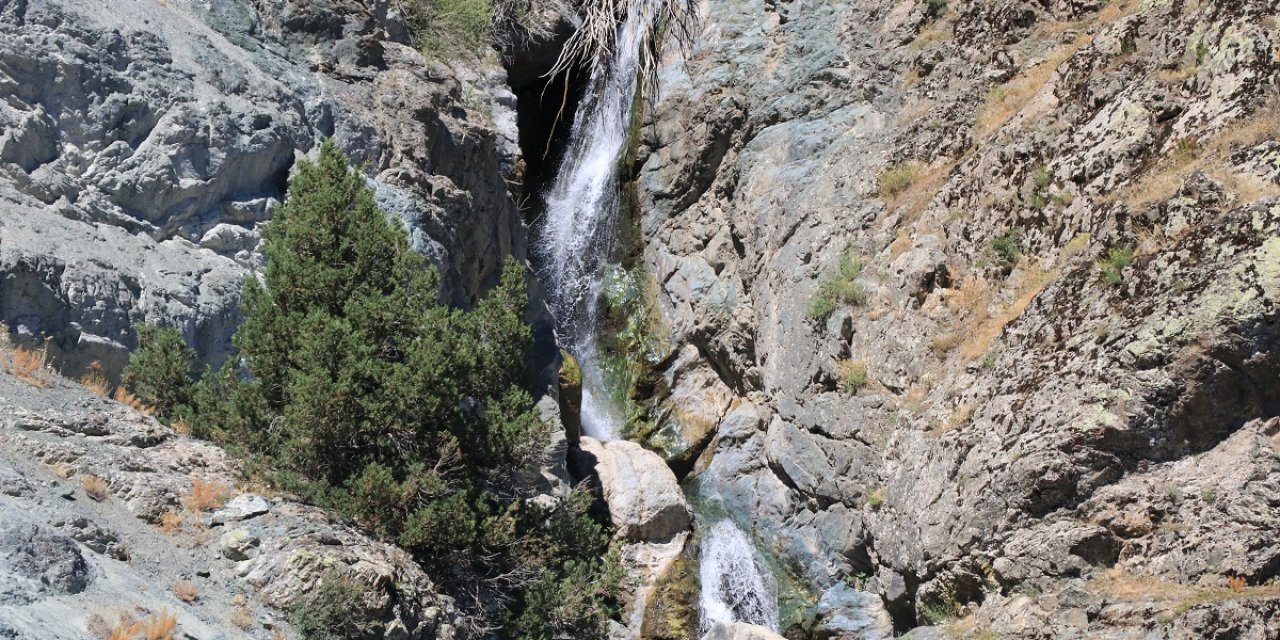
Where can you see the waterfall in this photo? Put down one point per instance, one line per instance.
(582, 214)
(736, 585)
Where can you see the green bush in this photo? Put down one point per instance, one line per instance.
(1007, 247)
(333, 611)
(354, 387)
(160, 369)
(839, 288)
(1113, 265)
(853, 375)
(451, 27)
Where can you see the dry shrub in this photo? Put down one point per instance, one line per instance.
(28, 365)
(95, 381)
(123, 396)
(900, 243)
(161, 626)
(205, 496)
(95, 487)
(853, 374)
(1006, 100)
(170, 522)
(1236, 583)
(186, 591)
(242, 618)
(898, 178)
(1117, 584)
(181, 426)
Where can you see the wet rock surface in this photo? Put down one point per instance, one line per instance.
(1066, 234)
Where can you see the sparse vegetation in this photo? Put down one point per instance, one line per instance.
(186, 591)
(1006, 248)
(1112, 266)
(853, 375)
(95, 381)
(205, 496)
(161, 626)
(898, 178)
(95, 487)
(27, 364)
(1006, 100)
(875, 498)
(842, 287)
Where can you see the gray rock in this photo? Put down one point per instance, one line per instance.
(241, 507)
(239, 544)
(37, 562)
(739, 631)
(848, 614)
(645, 501)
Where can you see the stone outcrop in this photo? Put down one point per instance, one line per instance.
(739, 631)
(1055, 436)
(645, 501)
(104, 512)
(143, 145)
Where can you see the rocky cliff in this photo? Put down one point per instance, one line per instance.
(143, 143)
(973, 304)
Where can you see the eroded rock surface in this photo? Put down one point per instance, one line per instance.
(1053, 439)
(143, 144)
(74, 559)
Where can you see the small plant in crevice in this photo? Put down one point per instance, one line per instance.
(841, 287)
(1111, 267)
(95, 487)
(853, 374)
(1006, 248)
(898, 178)
(934, 9)
(27, 365)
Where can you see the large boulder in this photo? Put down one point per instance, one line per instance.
(844, 613)
(645, 501)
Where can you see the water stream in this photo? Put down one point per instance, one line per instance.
(574, 246)
(582, 210)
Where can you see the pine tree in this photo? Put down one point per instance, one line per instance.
(159, 371)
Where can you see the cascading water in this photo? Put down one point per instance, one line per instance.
(575, 241)
(582, 214)
(736, 586)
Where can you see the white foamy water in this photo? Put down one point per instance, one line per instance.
(736, 585)
(582, 214)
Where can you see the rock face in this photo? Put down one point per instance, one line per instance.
(101, 517)
(645, 501)
(143, 144)
(1066, 219)
(739, 631)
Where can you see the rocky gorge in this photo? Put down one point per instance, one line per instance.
(961, 314)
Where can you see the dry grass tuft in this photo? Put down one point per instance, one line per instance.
(1164, 180)
(170, 522)
(1006, 100)
(95, 487)
(123, 396)
(27, 365)
(983, 330)
(95, 381)
(853, 374)
(160, 626)
(1117, 584)
(186, 591)
(242, 618)
(205, 496)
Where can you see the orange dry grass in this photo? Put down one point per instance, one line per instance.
(28, 365)
(205, 496)
(95, 487)
(982, 333)
(160, 626)
(123, 396)
(1006, 100)
(94, 381)
(170, 522)
(920, 190)
(1119, 585)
